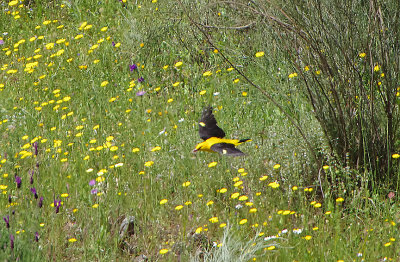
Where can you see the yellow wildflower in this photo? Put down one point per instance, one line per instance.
(260, 54)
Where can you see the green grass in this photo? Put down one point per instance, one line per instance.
(86, 130)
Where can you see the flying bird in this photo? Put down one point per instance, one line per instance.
(213, 137)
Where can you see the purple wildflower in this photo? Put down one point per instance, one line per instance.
(33, 190)
(35, 146)
(1, 42)
(9, 199)
(132, 67)
(40, 204)
(391, 195)
(11, 242)
(113, 43)
(7, 220)
(92, 182)
(57, 204)
(18, 180)
(140, 79)
(31, 180)
(140, 93)
(93, 191)
(36, 236)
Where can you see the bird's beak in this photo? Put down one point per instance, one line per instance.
(194, 150)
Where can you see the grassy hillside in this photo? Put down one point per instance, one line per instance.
(99, 104)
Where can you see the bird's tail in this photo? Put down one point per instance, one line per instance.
(244, 140)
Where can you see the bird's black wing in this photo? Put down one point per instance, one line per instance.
(208, 125)
(227, 149)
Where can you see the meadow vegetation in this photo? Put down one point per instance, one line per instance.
(99, 110)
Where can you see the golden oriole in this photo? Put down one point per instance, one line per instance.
(213, 137)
